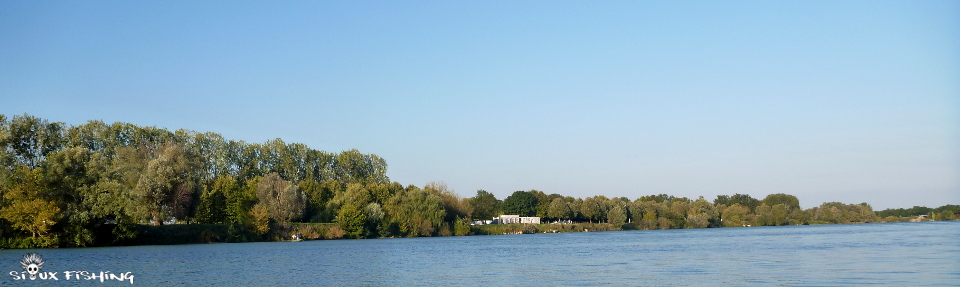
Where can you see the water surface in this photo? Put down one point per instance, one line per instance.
(893, 254)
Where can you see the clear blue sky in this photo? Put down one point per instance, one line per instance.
(850, 101)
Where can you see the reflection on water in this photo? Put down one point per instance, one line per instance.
(898, 254)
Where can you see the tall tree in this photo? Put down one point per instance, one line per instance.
(789, 201)
(32, 138)
(283, 200)
(485, 205)
(27, 210)
(559, 210)
(167, 185)
(416, 212)
(617, 216)
(521, 203)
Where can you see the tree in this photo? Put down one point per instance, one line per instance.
(351, 220)
(559, 210)
(735, 215)
(316, 197)
(485, 205)
(521, 203)
(592, 209)
(743, 200)
(212, 208)
(947, 215)
(167, 185)
(617, 216)
(259, 219)
(452, 203)
(779, 214)
(701, 214)
(27, 210)
(240, 199)
(764, 216)
(789, 201)
(416, 212)
(31, 139)
(283, 200)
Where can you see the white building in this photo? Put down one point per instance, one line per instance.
(510, 219)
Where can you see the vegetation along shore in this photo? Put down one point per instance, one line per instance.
(100, 184)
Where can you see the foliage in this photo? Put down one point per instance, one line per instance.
(98, 184)
(351, 220)
(617, 216)
(283, 200)
(485, 205)
(559, 210)
(520, 203)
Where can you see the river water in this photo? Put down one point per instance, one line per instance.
(891, 254)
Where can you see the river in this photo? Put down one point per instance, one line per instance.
(891, 254)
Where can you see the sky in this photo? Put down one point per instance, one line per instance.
(849, 101)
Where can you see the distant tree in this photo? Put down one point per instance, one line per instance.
(167, 186)
(617, 216)
(789, 201)
(485, 205)
(352, 220)
(259, 219)
(745, 201)
(30, 138)
(240, 199)
(315, 197)
(947, 215)
(283, 200)
(416, 212)
(461, 227)
(735, 215)
(591, 209)
(657, 198)
(559, 210)
(779, 214)
(212, 208)
(26, 209)
(521, 203)
(722, 199)
(453, 205)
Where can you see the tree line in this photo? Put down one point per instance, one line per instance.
(62, 183)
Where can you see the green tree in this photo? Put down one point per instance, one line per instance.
(735, 215)
(167, 185)
(351, 220)
(461, 227)
(617, 216)
(240, 199)
(789, 201)
(592, 209)
(283, 200)
(453, 205)
(559, 210)
(521, 203)
(416, 212)
(743, 200)
(485, 205)
(259, 219)
(26, 210)
(947, 215)
(779, 214)
(30, 139)
(212, 208)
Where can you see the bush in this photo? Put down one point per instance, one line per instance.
(335, 233)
